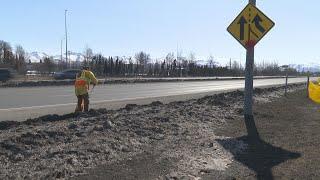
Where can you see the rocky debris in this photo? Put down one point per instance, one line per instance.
(50, 118)
(7, 124)
(240, 111)
(102, 111)
(55, 146)
(163, 119)
(156, 103)
(72, 126)
(130, 107)
(108, 124)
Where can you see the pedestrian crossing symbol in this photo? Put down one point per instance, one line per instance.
(250, 26)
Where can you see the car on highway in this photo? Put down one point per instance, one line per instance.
(67, 74)
(5, 74)
(33, 73)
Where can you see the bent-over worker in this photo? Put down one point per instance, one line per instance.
(82, 85)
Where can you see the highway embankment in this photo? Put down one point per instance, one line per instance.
(198, 138)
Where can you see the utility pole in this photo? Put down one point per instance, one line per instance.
(178, 60)
(66, 33)
(177, 51)
(248, 93)
(61, 42)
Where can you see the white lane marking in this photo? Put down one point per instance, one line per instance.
(37, 107)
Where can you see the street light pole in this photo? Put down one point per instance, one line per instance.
(248, 93)
(66, 33)
(61, 41)
(178, 61)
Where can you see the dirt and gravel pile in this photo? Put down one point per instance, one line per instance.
(70, 145)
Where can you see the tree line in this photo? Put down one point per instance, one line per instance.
(171, 66)
(18, 59)
(140, 65)
(15, 59)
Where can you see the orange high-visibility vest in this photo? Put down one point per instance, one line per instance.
(81, 86)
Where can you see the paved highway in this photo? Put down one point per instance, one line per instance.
(22, 103)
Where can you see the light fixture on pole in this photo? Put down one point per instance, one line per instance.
(66, 34)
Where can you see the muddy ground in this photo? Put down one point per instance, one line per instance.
(197, 139)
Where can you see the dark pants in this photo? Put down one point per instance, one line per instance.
(83, 99)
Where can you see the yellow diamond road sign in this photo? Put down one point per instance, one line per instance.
(250, 26)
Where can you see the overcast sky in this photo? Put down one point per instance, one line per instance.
(124, 27)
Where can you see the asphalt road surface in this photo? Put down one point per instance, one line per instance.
(18, 104)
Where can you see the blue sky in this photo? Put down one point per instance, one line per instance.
(124, 27)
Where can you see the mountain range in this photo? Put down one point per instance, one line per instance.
(310, 67)
(35, 57)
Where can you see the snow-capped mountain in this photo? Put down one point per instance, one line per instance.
(72, 56)
(311, 67)
(201, 62)
(35, 57)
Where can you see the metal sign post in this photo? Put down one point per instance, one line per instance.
(248, 92)
(248, 28)
(285, 68)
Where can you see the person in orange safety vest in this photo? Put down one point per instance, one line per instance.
(82, 84)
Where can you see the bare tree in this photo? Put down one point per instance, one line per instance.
(211, 62)
(20, 53)
(6, 55)
(88, 55)
(2, 44)
(20, 59)
(48, 65)
(142, 59)
(170, 58)
(169, 61)
(192, 57)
